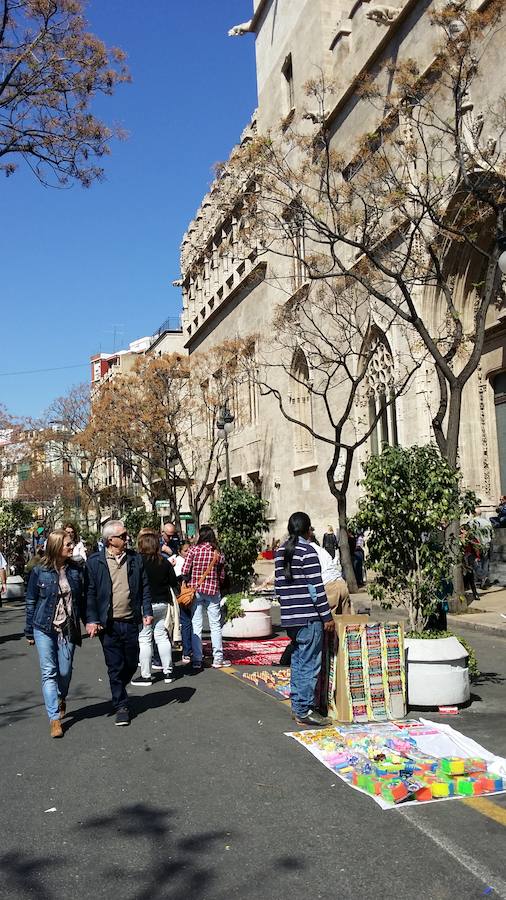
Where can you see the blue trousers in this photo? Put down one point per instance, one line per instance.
(307, 643)
(55, 658)
(185, 615)
(120, 643)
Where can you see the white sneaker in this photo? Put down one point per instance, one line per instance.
(168, 677)
(224, 664)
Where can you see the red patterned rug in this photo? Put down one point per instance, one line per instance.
(252, 653)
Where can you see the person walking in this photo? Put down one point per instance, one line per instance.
(79, 553)
(3, 576)
(118, 600)
(54, 606)
(163, 586)
(184, 613)
(305, 614)
(169, 540)
(204, 569)
(336, 589)
(329, 542)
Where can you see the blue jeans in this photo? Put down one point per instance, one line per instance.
(212, 604)
(307, 643)
(55, 658)
(120, 643)
(185, 615)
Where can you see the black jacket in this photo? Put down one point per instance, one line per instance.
(99, 588)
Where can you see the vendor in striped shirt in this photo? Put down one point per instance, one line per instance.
(305, 613)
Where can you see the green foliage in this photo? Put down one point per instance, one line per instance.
(239, 518)
(138, 518)
(15, 517)
(234, 609)
(432, 635)
(412, 496)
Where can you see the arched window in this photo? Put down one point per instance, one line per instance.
(380, 379)
(300, 402)
(500, 420)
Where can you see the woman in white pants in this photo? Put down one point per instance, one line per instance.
(163, 585)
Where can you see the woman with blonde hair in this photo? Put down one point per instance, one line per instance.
(54, 605)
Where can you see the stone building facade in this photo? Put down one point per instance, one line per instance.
(231, 289)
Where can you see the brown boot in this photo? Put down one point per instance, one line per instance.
(63, 708)
(56, 729)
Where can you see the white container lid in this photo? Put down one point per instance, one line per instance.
(436, 650)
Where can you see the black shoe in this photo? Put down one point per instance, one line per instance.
(312, 717)
(140, 681)
(123, 716)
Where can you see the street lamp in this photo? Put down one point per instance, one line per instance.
(224, 426)
(501, 244)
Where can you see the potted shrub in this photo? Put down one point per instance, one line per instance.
(239, 517)
(411, 497)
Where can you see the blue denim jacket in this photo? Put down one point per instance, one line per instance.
(42, 597)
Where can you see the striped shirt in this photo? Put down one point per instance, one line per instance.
(303, 599)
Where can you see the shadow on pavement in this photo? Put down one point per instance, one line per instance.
(488, 678)
(7, 638)
(142, 702)
(22, 874)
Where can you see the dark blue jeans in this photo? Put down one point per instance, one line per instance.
(307, 642)
(120, 643)
(185, 615)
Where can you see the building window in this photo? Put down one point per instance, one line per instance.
(300, 403)
(287, 72)
(380, 379)
(500, 420)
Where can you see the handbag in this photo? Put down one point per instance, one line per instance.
(187, 593)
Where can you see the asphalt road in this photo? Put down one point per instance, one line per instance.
(203, 796)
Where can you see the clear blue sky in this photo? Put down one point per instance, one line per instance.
(76, 263)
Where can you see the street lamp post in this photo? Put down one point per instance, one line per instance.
(224, 426)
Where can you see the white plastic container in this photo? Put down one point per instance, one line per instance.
(438, 673)
(15, 589)
(256, 622)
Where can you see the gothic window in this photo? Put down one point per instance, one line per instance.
(300, 403)
(287, 71)
(500, 419)
(380, 378)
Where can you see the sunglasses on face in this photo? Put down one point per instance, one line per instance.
(123, 536)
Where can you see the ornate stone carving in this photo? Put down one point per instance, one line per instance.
(240, 30)
(482, 390)
(383, 15)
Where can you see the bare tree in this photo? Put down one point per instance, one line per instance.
(51, 69)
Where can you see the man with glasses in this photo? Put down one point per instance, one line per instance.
(118, 601)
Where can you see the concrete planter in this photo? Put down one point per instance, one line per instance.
(437, 672)
(15, 589)
(256, 622)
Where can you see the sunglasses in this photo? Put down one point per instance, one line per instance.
(123, 536)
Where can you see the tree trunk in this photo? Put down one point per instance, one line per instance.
(344, 547)
(457, 602)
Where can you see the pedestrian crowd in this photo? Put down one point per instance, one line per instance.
(129, 600)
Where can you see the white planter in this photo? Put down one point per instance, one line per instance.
(437, 672)
(15, 589)
(256, 622)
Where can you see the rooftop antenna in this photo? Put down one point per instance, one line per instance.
(116, 331)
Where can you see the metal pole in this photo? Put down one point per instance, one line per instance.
(227, 460)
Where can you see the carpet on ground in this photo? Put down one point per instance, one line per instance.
(411, 761)
(272, 681)
(252, 653)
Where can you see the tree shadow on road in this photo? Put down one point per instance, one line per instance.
(22, 875)
(488, 678)
(175, 867)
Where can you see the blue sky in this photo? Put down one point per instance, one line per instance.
(76, 264)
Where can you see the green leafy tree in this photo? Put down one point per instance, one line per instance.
(138, 518)
(15, 516)
(412, 495)
(239, 518)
